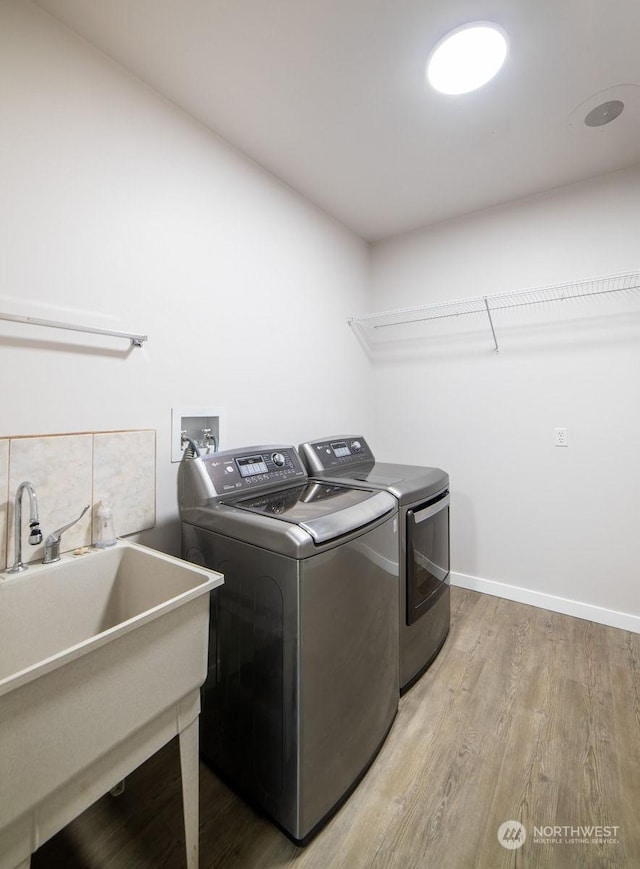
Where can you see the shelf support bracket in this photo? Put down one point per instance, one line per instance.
(493, 331)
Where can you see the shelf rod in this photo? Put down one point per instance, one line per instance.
(136, 340)
(420, 319)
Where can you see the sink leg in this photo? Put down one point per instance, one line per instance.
(189, 770)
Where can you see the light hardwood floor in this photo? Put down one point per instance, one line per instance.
(525, 715)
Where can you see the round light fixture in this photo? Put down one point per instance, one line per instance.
(467, 57)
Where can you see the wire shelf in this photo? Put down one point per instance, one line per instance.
(617, 283)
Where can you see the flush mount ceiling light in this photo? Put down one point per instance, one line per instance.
(467, 57)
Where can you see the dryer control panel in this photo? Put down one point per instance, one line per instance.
(252, 468)
(328, 454)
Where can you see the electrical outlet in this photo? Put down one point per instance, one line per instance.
(560, 437)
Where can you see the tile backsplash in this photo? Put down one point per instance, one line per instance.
(69, 471)
(124, 477)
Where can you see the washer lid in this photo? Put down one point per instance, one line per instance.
(324, 511)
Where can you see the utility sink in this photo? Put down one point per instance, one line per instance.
(101, 660)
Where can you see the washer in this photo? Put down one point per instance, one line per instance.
(423, 499)
(303, 681)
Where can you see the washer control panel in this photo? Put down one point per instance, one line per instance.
(337, 452)
(253, 468)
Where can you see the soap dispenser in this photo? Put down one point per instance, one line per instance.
(105, 534)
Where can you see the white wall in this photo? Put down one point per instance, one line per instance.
(552, 521)
(120, 211)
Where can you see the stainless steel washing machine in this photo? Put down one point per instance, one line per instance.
(303, 681)
(423, 498)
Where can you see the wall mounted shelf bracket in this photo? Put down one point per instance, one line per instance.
(493, 331)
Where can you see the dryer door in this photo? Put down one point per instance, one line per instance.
(427, 555)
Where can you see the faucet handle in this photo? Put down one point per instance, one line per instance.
(52, 543)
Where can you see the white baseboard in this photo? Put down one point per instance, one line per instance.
(564, 605)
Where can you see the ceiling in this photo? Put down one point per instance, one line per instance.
(330, 95)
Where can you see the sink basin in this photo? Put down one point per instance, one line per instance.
(101, 660)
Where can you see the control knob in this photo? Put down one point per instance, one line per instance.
(278, 460)
(356, 445)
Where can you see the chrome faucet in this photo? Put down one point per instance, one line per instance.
(35, 534)
(52, 543)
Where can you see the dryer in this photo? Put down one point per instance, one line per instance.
(422, 494)
(303, 681)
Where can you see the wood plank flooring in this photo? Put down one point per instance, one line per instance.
(525, 715)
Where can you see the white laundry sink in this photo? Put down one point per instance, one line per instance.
(101, 660)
